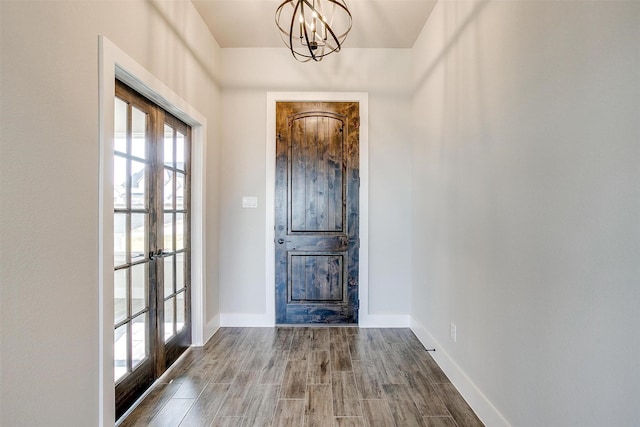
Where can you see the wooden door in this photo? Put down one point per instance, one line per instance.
(151, 182)
(316, 212)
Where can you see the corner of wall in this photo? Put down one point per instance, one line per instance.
(211, 328)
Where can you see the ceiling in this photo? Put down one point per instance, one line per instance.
(376, 23)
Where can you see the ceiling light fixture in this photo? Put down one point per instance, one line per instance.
(312, 29)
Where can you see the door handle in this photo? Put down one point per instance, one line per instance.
(160, 253)
(281, 240)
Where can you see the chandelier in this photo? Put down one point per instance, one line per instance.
(312, 29)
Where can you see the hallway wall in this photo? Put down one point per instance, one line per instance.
(526, 199)
(248, 75)
(49, 169)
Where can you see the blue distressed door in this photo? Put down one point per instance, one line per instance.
(316, 212)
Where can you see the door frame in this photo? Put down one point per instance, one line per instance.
(363, 99)
(115, 63)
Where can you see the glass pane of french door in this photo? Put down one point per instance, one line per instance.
(175, 223)
(151, 178)
(175, 295)
(131, 241)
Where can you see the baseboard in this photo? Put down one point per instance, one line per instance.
(242, 320)
(481, 405)
(262, 321)
(384, 321)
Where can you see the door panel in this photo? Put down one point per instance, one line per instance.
(315, 277)
(317, 182)
(317, 185)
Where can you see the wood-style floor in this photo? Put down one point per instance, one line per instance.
(306, 377)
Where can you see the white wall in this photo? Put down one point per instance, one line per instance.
(248, 74)
(49, 168)
(526, 207)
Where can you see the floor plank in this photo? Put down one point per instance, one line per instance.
(206, 407)
(440, 422)
(227, 371)
(375, 340)
(239, 395)
(318, 401)
(404, 411)
(320, 339)
(349, 422)
(376, 413)
(281, 340)
(142, 415)
(431, 368)
(357, 347)
(227, 422)
(300, 344)
(263, 405)
(257, 358)
(172, 413)
(289, 413)
(190, 388)
(273, 371)
(425, 397)
(345, 395)
(338, 335)
(367, 380)
(340, 356)
(319, 369)
(387, 369)
(457, 406)
(294, 383)
(311, 420)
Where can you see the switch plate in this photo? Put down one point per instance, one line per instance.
(249, 202)
(454, 333)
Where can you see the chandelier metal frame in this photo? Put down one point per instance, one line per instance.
(316, 36)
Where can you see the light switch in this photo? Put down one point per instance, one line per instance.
(249, 202)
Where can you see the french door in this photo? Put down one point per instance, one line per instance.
(152, 299)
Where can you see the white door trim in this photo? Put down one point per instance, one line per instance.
(115, 63)
(363, 99)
